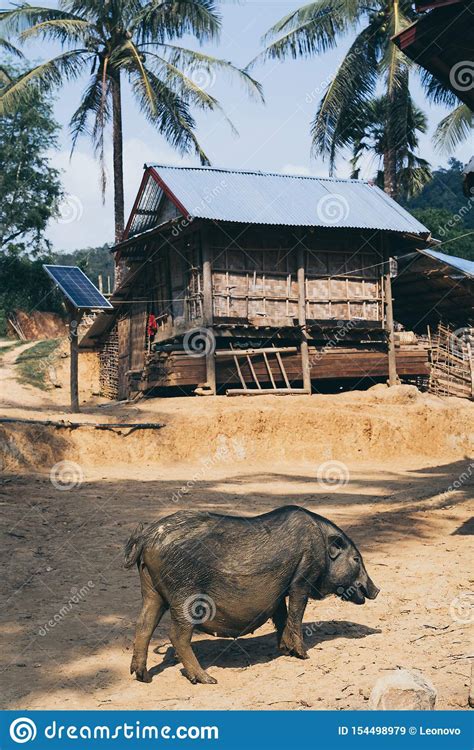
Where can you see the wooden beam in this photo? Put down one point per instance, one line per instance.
(207, 308)
(389, 326)
(305, 365)
(266, 392)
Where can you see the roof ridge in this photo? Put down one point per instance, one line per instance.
(258, 172)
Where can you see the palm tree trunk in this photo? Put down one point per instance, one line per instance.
(117, 138)
(390, 171)
(390, 147)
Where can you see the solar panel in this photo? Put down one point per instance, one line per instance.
(77, 287)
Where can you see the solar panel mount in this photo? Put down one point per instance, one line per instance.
(78, 288)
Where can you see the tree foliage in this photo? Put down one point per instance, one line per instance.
(446, 211)
(130, 38)
(368, 134)
(372, 61)
(30, 187)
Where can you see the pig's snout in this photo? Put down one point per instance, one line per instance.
(370, 590)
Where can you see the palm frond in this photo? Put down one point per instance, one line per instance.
(94, 105)
(189, 89)
(63, 30)
(43, 78)
(345, 97)
(161, 21)
(436, 91)
(312, 29)
(196, 62)
(10, 48)
(23, 16)
(453, 129)
(169, 114)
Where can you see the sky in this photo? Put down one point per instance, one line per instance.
(273, 136)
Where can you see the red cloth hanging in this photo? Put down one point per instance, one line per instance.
(152, 326)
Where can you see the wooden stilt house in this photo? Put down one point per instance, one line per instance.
(247, 281)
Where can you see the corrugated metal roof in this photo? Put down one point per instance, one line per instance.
(280, 199)
(460, 264)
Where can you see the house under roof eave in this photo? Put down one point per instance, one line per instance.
(433, 287)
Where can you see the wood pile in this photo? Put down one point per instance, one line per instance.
(108, 359)
(452, 365)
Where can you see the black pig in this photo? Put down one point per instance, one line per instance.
(227, 575)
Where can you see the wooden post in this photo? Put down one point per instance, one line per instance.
(207, 310)
(305, 365)
(75, 317)
(392, 362)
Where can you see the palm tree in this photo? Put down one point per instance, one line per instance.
(117, 40)
(372, 59)
(368, 134)
(456, 127)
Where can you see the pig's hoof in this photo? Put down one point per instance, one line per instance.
(300, 653)
(203, 677)
(142, 674)
(288, 649)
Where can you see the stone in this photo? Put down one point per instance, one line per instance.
(403, 689)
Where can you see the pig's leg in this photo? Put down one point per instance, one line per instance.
(153, 609)
(279, 619)
(292, 638)
(180, 636)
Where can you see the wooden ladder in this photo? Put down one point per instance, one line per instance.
(255, 387)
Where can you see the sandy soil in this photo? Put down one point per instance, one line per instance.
(393, 469)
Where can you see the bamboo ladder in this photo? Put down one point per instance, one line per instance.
(255, 388)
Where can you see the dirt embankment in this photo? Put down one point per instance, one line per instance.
(378, 424)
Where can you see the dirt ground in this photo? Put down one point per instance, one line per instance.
(393, 469)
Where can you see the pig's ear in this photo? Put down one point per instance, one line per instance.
(336, 544)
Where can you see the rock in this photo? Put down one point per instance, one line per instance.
(403, 689)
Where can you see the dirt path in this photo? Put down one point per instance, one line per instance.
(13, 393)
(69, 608)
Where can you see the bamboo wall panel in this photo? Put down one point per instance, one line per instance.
(255, 282)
